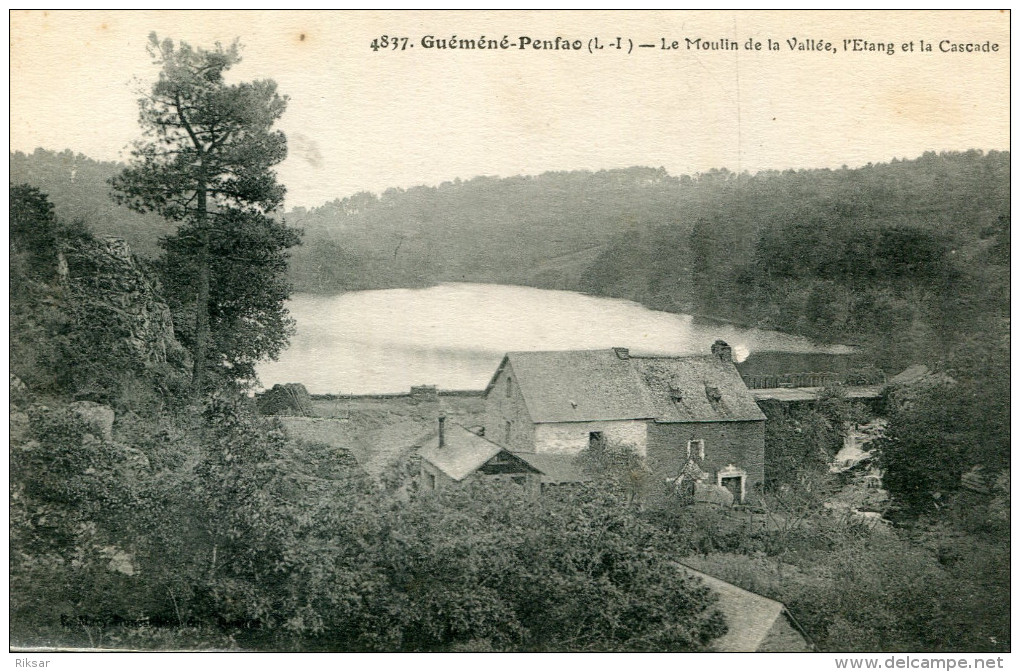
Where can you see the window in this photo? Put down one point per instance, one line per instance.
(509, 386)
(595, 440)
(696, 449)
(519, 480)
(507, 431)
(430, 481)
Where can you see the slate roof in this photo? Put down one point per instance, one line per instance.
(462, 454)
(750, 616)
(701, 388)
(465, 452)
(594, 385)
(579, 386)
(555, 468)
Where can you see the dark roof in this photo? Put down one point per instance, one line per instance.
(592, 385)
(579, 386)
(555, 468)
(701, 388)
(750, 616)
(462, 453)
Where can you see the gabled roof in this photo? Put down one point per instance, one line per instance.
(462, 453)
(700, 388)
(555, 468)
(578, 386)
(594, 385)
(750, 616)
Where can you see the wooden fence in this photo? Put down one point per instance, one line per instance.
(812, 379)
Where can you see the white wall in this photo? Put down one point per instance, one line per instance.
(572, 437)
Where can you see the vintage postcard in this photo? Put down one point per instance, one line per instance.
(510, 331)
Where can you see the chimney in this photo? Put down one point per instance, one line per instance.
(442, 431)
(723, 351)
(622, 353)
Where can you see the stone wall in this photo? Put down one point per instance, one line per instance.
(741, 444)
(434, 479)
(501, 409)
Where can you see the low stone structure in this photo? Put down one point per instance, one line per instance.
(285, 399)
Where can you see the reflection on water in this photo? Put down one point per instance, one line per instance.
(453, 335)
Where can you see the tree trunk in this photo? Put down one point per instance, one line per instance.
(201, 300)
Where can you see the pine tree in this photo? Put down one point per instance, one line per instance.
(206, 162)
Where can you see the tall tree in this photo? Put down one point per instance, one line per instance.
(247, 289)
(205, 160)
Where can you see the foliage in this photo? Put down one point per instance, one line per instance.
(262, 543)
(881, 592)
(619, 466)
(206, 161)
(203, 136)
(247, 293)
(79, 189)
(485, 568)
(33, 230)
(801, 441)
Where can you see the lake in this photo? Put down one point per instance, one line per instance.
(454, 335)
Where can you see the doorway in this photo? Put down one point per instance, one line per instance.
(734, 479)
(735, 485)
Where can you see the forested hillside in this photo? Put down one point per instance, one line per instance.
(540, 231)
(901, 255)
(905, 257)
(77, 187)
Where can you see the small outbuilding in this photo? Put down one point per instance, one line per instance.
(756, 623)
(456, 455)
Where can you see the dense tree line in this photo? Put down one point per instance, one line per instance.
(78, 188)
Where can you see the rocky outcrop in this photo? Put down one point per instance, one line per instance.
(110, 291)
(97, 417)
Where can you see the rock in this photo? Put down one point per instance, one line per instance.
(119, 561)
(17, 387)
(98, 417)
(19, 426)
(712, 494)
(115, 292)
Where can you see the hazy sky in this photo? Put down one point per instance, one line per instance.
(360, 119)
